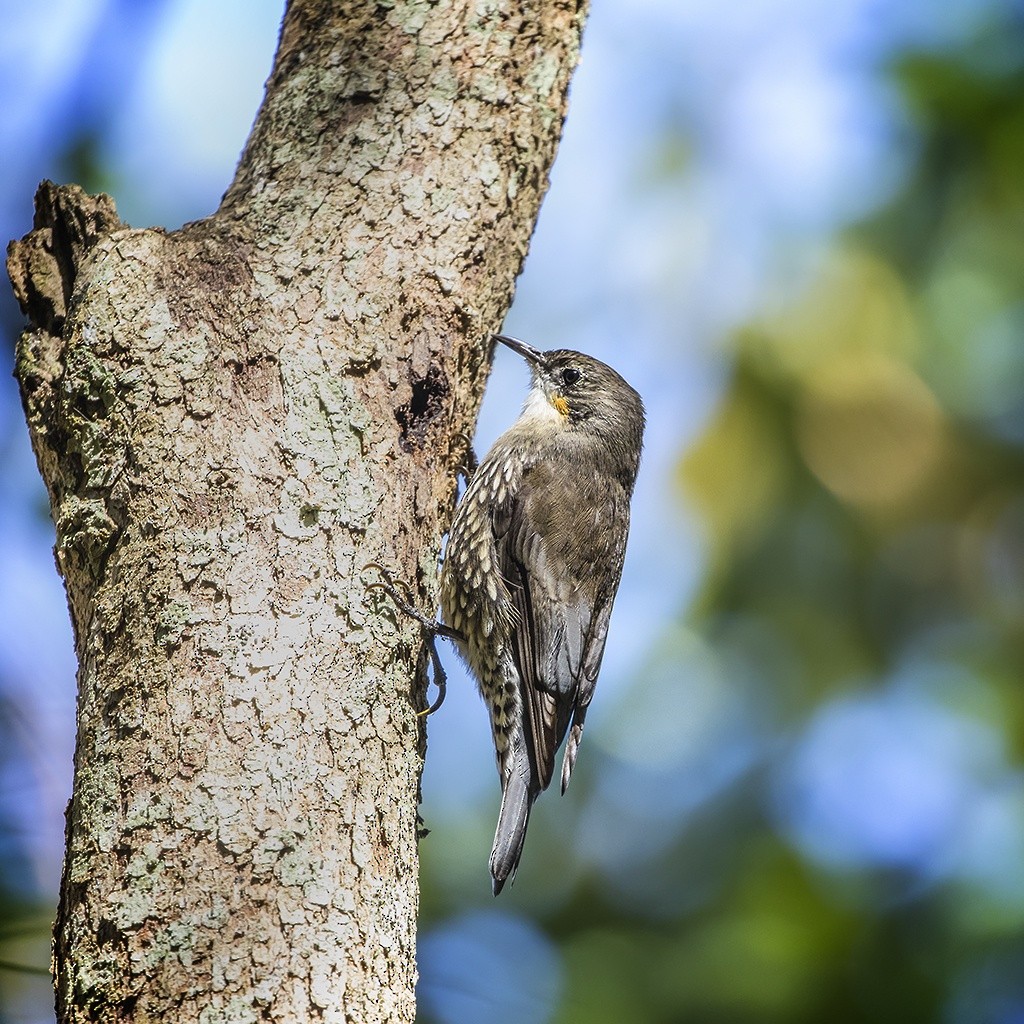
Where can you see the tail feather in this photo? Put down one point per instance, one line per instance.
(516, 801)
(572, 746)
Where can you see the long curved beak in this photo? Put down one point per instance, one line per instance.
(528, 352)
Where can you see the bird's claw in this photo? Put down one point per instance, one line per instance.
(402, 600)
(468, 464)
(432, 627)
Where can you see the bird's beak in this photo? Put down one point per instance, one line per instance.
(528, 352)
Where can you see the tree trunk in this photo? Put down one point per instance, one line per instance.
(232, 420)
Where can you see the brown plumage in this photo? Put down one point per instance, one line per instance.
(533, 562)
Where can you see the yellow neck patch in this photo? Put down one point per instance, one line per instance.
(561, 405)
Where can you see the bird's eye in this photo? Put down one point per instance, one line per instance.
(570, 376)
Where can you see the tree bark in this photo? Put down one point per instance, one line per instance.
(232, 419)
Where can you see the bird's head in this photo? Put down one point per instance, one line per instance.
(574, 391)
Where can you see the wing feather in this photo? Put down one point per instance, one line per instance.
(561, 565)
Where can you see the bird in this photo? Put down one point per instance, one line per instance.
(531, 568)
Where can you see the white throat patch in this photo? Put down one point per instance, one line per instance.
(539, 410)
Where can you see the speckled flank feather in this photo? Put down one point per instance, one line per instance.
(533, 561)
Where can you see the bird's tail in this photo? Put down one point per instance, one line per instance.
(516, 800)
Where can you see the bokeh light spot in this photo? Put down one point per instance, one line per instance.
(885, 780)
(869, 429)
(488, 967)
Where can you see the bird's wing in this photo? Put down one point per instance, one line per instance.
(561, 561)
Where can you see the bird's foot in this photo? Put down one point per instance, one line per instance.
(469, 463)
(400, 597)
(432, 628)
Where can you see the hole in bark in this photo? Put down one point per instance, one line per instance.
(309, 515)
(425, 405)
(127, 1006)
